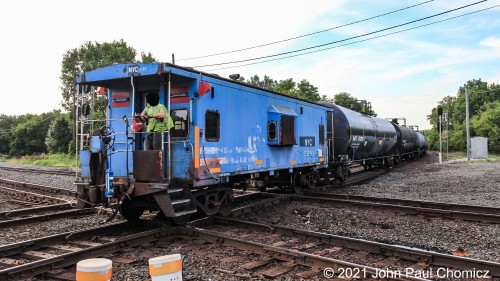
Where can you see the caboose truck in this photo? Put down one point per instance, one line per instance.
(226, 134)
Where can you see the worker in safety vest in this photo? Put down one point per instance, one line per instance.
(159, 121)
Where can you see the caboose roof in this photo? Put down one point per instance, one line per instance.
(114, 75)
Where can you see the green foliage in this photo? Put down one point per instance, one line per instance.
(266, 83)
(484, 105)
(28, 137)
(7, 127)
(59, 159)
(303, 90)
(147, 58)
(59, 136)
(487, 124)
(432, 137)
(345, 99)
(90, 56)
(308, 91)
(348, 101)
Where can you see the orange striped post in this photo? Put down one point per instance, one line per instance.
(166, 268)
(94, 270)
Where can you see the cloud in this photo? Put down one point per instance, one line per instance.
(493, 42)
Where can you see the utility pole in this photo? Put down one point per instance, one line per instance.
(467, 121)
(440, 115)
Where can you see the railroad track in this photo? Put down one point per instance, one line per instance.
(30, 197)
(432, 209)
(63, 172)
(283, 248)
(48, 255)
(20, 217)
(42, 188)
(318, 251)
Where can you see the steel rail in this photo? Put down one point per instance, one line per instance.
(56, 262)
(30, 196)
(43, 171)
(29, 211)
(413, 203)
(389, 250)
(448, 214)
(280, 253)
(45, 217)
(49, 189)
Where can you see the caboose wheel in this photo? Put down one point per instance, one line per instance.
(297, 183)
(130, 212)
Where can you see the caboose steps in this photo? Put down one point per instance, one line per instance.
(182, 201)
(174, 190)
(187, 212)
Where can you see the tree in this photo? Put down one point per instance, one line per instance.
(7, 126)
(29, 135)
(287, 87)
(344, 99)
(147, 58)
(90, 56)
(303, 90)
(87, 57)
(483, 97)
(487, 124)
(58, 136)
(308, 91)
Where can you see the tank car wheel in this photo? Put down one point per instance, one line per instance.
(181, 220)
(130, 212)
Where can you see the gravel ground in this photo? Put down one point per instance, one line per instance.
(38, 230)
(476, 183)
(477, 239)
(7, 205)
(58, 181)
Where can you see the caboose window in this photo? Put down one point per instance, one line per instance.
(271, 130)
(212, 125)
(181, 124)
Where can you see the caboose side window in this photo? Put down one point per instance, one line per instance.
(271, 130)
(212, 125)
(181, 124)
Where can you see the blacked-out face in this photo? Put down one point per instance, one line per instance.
(153, 99)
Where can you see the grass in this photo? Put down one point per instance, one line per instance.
(56, 160)
(455, 155)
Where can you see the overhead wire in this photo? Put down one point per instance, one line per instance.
(306, 35)
(355, 42)
(342, 40)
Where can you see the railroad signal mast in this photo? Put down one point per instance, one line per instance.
(440, 116)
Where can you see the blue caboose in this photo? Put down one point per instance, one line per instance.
(226, 134)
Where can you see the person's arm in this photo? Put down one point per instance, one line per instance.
(143, 114)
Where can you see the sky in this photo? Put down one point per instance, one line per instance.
(402, 75)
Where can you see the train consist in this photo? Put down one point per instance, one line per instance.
(225, 134)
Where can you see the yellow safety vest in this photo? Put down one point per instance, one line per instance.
(154, 124)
